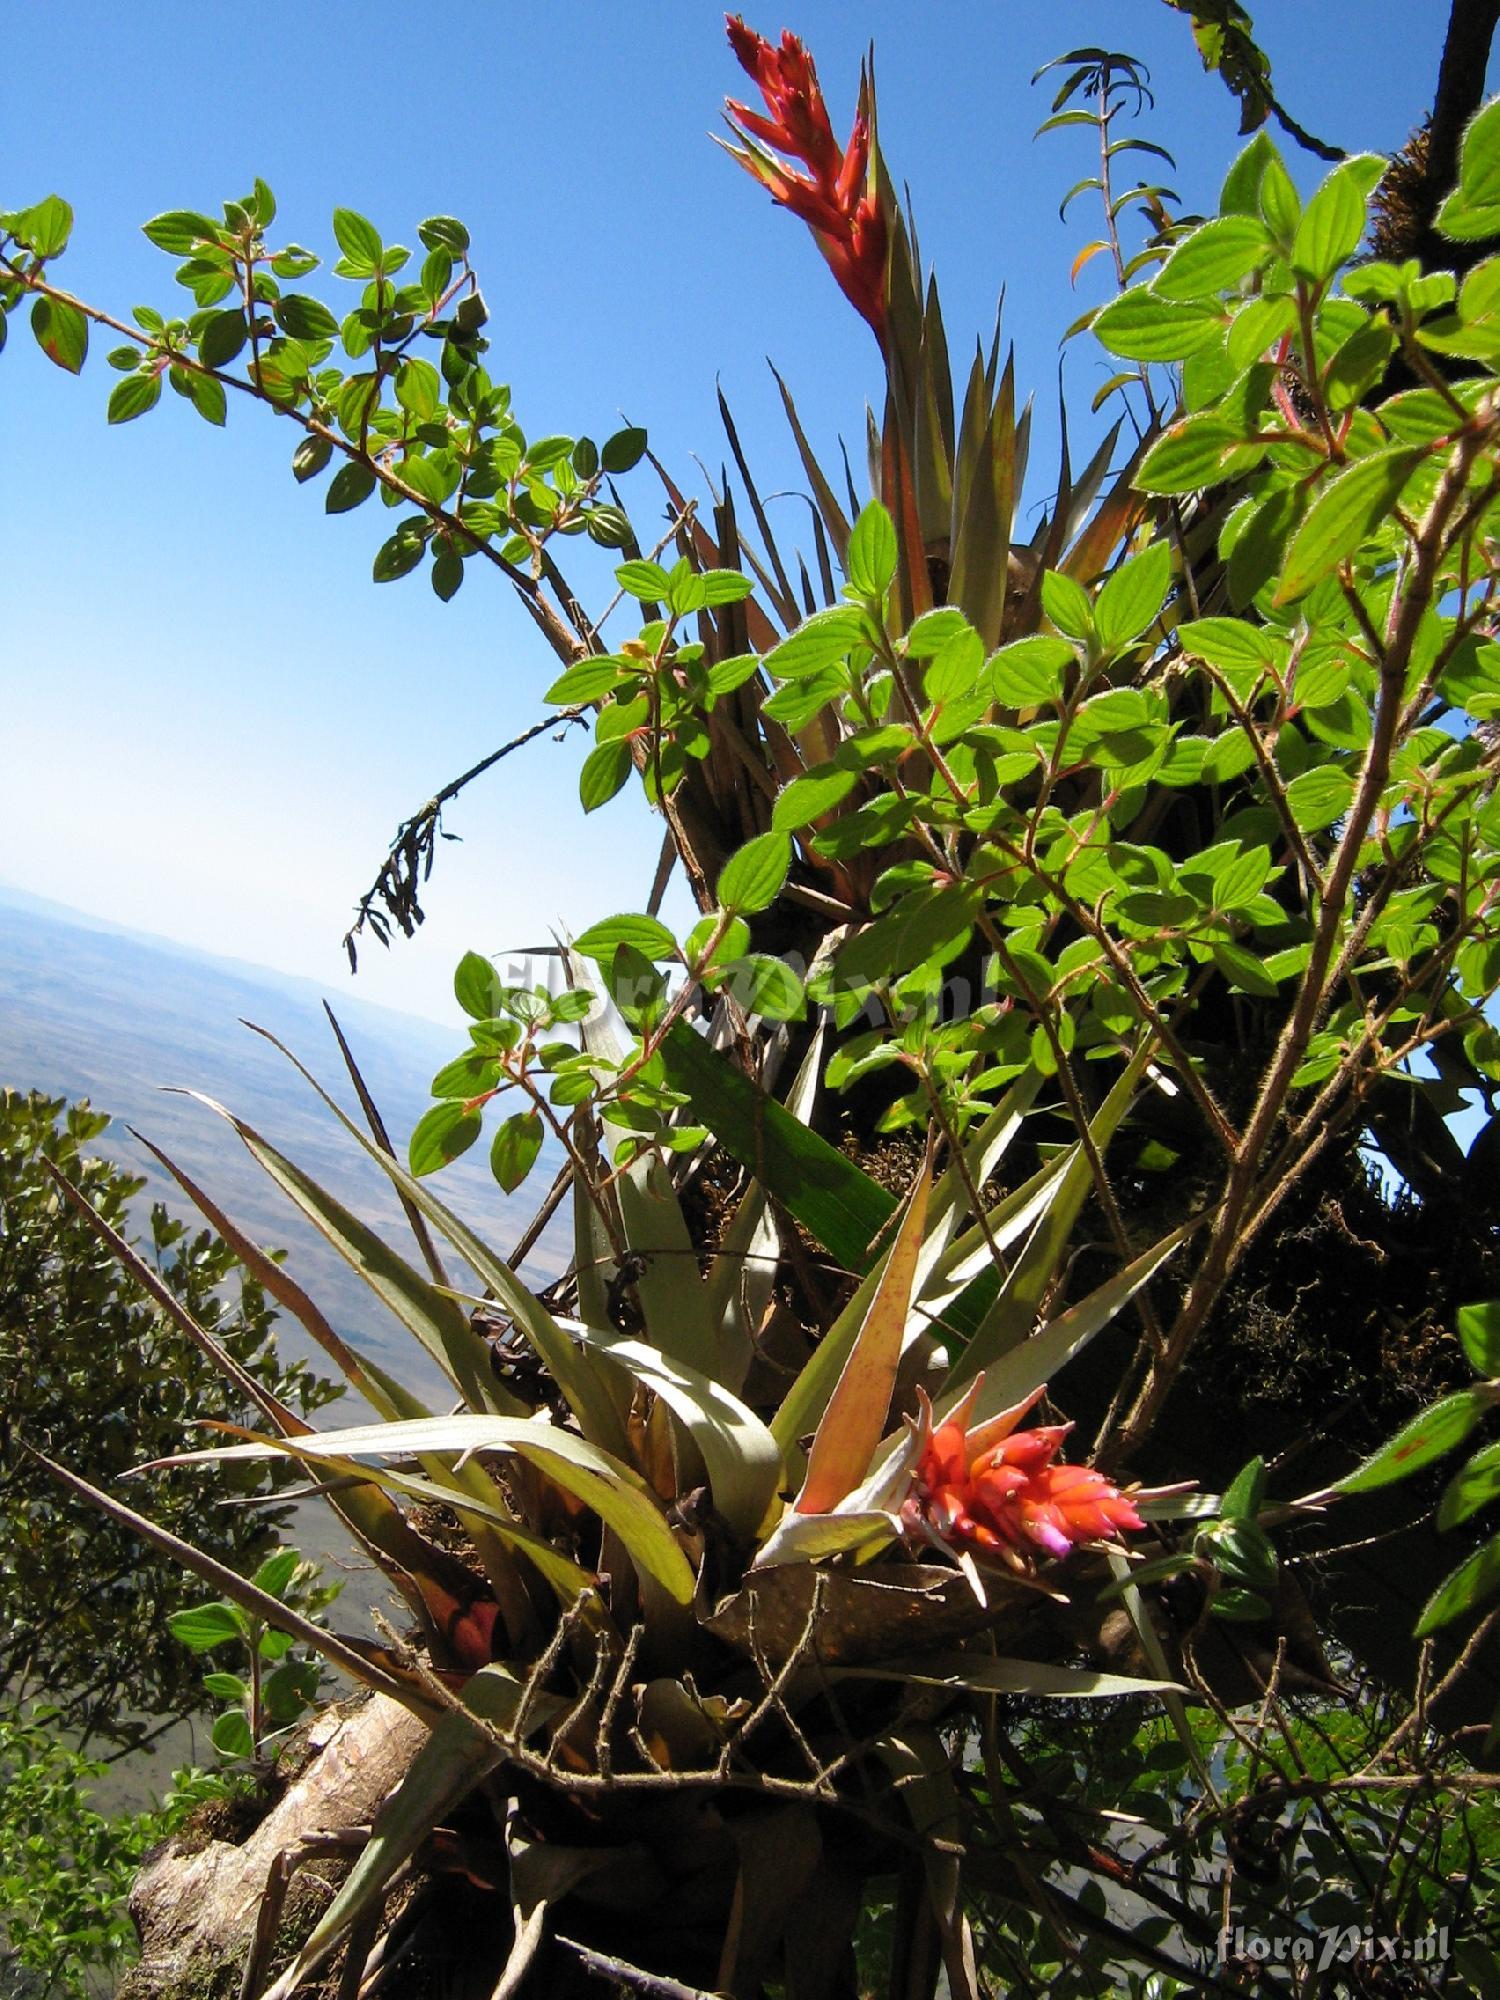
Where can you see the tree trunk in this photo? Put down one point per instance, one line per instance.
(195, 1904)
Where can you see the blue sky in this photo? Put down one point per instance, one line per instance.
(213, 718)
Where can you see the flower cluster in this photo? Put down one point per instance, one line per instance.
(998, 1491)
(833, 197)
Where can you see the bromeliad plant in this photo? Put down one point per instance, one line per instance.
(682, 1600)
(1162, 847)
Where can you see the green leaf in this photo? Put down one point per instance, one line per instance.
(1469, 1585)
(133, 397)
(765, 986)
(646, 934)
(441, 1135)
(1227, 642)
(360, 242)
(1240, 194)
(350, 485)
(1427, 1437)
(231, 1734)
(870, 562)
(1334, 220)
(837, 1203)
(1133, 597)
(954, 671)
(1192, 454)
(821, 641)
(398, 556)
(1244, 971)
(1066, 604)
(306, 318)
(812, 795)
(443, 232)
(1142, 326)
(179, 231)
(1479, 162)
(1245, 1492)
(1280, 203)
(1479, 1330)
(45, 227)
(447, 571)
(467, 1076)
(644, 580)
(1028, 671)
(205, 1626)
(752, 878)
(1319, 796)
(1471, 1488)
(1246, 1605)
(623, 451)
(222, 338)
(294, 262)
(516, 1145)
(277, 1571)
(1345, 511)
(475, 984)
(636, 987)
(207, 396)
(725, 586)
(225, 1687)
(605, 770)
(1213, 258)
(934, 630)
(62, 333)
(1467, 222)
(586, 682)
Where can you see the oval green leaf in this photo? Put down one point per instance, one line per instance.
(1427, 1437)
(1346, 510)
(752, 878)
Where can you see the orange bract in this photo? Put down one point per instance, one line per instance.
(998, 1490)
(833, 198)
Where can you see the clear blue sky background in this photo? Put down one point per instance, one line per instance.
(212, 719)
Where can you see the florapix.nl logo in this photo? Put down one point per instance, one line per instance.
(1336, 1944)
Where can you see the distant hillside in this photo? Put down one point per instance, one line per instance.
(87, 1010)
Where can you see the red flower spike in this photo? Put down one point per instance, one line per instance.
(833, 197)
(998, 1491)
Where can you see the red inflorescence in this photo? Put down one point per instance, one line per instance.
(833, 197)
(999, 1491)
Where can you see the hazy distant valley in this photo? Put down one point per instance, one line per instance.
(91, 1012)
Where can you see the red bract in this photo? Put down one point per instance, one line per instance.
(833, 197)
(999, 1492)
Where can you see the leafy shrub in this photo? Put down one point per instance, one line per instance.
(96, 1370)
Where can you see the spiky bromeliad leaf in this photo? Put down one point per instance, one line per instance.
(1015, 1310)
(673, 1297)
(988, 1674)
(842, 1207)
(587, 1396)
(438, 1323)
(742, 1456)
(612, 1489)
(852, 1424)
(229, 1583)
(481, 1512)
